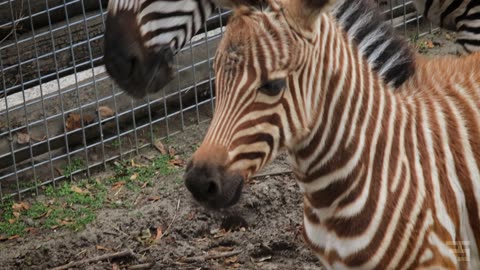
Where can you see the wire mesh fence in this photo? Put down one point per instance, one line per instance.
(61, 115)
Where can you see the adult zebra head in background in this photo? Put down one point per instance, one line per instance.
(142, 37)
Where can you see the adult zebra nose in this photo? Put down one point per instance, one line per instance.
(137, 69)
(212, 185)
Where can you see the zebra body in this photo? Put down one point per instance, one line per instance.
(391, 180)
(162, 27)
(462, 16)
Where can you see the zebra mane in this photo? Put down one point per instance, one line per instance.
(388, 53)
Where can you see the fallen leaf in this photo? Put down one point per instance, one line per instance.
(171, 151)
(99, 247)
(115, 266)
(430, 44)
(159, 233)
(262, 259)
(105, 112)
(231, 260)
(31, 230)
(66, 222)
(144, 185)
(160, 147)
(79, 190)
(74, 121)
(23, 138)
(38, 139)
(134, 176)
(13, 237)
(16, 214)
(177, 162)
(20, 206)
(118, 184)
(153, 198)
(135, 165)
(46, 214)
(12, 220)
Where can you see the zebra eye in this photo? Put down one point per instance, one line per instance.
(273, 87)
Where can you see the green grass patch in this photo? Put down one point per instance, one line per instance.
(74, 165)
(139, 176)
(73, 205)
(67, 205)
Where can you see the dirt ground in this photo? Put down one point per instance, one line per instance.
(260, 232)
(263, 228)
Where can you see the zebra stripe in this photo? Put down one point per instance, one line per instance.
(391, 180)
(175, 22)
(161, 22)
(462, 16)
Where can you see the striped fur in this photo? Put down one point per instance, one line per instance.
(174, 22)
(163, 22)
(391, 180)
(462, 16)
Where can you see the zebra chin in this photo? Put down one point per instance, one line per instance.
(213, 186)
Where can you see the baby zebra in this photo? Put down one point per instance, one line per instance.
(390, 180)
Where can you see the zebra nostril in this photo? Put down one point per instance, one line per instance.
(212, 188)
(132, 63)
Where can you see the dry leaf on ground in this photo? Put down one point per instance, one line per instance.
(79, 190)
(430, 44)
(23, 138)
(74, 121)
(171, 152)
(118, 184)
(20, 206)
(177, 162)
(105, 112)
(160, 147)
(13, 237)
(99, 247)
(159, 233)
(153, 198)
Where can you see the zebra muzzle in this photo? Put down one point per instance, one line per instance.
(212, 185)
(138, 70)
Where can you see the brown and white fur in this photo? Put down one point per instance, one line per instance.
(391, 180)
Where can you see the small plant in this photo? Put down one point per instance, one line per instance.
(115, 144)
(66, 205)
(76, 164)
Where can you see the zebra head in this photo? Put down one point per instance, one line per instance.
(257, 114)
(142, 37)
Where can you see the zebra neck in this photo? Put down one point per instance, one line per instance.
(352, 124)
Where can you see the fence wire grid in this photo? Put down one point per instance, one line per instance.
(60, 113)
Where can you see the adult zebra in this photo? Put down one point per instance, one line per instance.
(142, 37)
(391, 180)
(462, 16)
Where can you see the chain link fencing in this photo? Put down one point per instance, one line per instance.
(60, 113)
